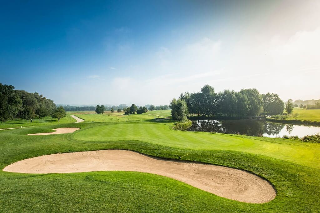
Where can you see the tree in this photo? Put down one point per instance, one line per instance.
(242, 105)
(112, 110)
(254, 101)
(179, 110)
(119, 110)
(59, 113)
(45, 106)
(152, 107)
(272, 104)
(209, 104)
(133, 109)
(142, 110)
(228, 103)
(29, 105)
(10, 102)
(127, 111)
(100, 109)
(196, 103)
(289, 106)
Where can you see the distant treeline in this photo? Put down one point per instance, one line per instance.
(149, 107)
(119, 108)
(79, 108)
(316, 106)
(307, 104)
(298, 103)
(24, 105)
(231, 104)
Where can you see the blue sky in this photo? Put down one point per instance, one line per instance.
(148, 52)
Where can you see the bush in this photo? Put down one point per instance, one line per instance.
(308, 138)
(182, 125)
(311, 138)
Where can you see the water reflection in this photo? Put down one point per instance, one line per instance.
(253, 128)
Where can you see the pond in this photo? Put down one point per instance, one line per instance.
(253, 128)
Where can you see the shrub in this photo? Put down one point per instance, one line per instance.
(311, 138)
(182, 125)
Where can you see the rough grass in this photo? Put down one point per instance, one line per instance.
(298, 186)
(305, 115)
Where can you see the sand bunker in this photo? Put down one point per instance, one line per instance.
(222, 181)
(78, 120)
(58, 131)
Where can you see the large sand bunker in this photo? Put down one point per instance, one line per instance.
(58, 131)
(222, 181)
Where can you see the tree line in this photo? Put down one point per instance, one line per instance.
(229, 103)
(133, 109)
(21, 104)
(79, 108)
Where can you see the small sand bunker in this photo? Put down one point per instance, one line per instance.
(222, 181)
(58, 131)
(78, 120)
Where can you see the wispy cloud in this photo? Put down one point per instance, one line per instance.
(93, 76)
(112, 68)
(169, 79)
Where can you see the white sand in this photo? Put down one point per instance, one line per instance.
(58, 131)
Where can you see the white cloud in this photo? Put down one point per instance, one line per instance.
(93, 76)
(112, 68)
(287, 66)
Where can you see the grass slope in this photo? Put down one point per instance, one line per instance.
(297, 185)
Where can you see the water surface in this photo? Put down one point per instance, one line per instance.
(254, 128)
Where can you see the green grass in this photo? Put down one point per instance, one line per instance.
(162, 134)
(294, 176)
(305, 114)
(18, 123)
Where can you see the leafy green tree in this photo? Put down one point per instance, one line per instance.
(272, 104)
(242, 105)
(119, 110)
(142, 110)
(10, 102)
(196, 103)
(112, 110)
(179, 110)
(207, 90)
(59, 113)
(289, 106)
(127, 111)
(100, 109)
(254, 101)
(209, 104)
(228, 103)
(152, 107)
(45, 106)
(29, 105)
(133, 109)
